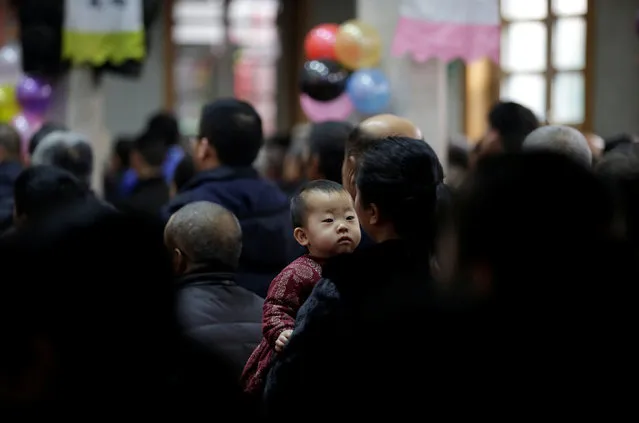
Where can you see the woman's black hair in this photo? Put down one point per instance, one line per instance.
(403, 177)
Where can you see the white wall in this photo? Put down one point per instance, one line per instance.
(129, 101)
(616, 67)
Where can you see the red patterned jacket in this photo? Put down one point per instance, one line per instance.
(286, 294)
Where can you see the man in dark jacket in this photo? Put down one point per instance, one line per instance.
(151, 192)
(10, 168)
(229, 140)
(220, 319)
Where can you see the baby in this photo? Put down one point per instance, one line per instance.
(326, 224)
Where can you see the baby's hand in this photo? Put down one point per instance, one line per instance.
(282, 340)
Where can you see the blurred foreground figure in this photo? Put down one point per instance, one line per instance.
(10, 168)
(40, 191)
(508, 125)
(535, 245)
(527, 219)
(560, 139)
(88, 325)
(67, 150)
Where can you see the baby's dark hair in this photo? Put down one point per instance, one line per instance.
(298, 202)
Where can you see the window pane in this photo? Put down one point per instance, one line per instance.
(568, 98)
(522, 10)
(523, 47)
(569, 44)
(569, 7)
(529, 90)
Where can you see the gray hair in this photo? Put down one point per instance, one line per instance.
(67, 150)
(206, 233)
(561, 139)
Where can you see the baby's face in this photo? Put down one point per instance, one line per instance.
(331, 224)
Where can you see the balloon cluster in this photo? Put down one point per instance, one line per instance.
(339, 75)
(23, 99)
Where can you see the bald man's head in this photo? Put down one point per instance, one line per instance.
(204, 234)
(383, 126)
(369, 132)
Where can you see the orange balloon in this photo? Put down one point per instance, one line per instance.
(358, 45)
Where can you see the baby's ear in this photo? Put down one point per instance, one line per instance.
(300, 237)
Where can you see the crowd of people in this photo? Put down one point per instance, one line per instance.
(351, 274)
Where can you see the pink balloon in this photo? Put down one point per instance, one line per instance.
(26, 125)
(321, 111)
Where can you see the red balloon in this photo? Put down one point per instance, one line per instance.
(320, 42)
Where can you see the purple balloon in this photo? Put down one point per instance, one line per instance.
(33, 95)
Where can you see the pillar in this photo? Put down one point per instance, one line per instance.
(78, 103)
(419, 89)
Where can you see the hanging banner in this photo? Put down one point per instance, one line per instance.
(103, 31)
(448, 30)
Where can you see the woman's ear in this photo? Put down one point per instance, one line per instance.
(373, 214)
(348, 174)
(300, 237)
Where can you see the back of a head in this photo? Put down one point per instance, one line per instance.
(9, 142)
(130, 309)
(207, 234)
(560, 139)
(66, 150)
(513, 122)
(165, 127)
(617, 141)
(271, 158)
(377, 128)
(327, 142)
(533, 215)
(280, 140)
(40, 134)
(621, 163)
(458, 154)
(184, 172)
(234, 128)
(404, 178)
(40, 190)
(122, 149)
(619, 169)
(151, 149)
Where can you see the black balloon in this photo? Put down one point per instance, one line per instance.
(323, 80)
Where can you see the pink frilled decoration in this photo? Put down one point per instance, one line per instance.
(448, 30)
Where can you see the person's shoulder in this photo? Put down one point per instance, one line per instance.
(325, 294)
(179, 201)
(304, 268)
(306, 263)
